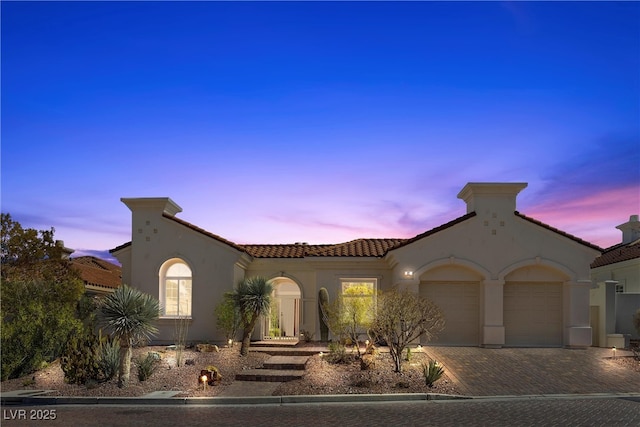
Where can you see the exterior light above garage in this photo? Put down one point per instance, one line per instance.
(408, 274)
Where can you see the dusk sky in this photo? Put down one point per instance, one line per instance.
(317, 122)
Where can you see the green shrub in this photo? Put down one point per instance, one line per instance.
(79, 362)
(432, 372)
(40, 291)
(146, 366)
(109, 358)
(338, 353)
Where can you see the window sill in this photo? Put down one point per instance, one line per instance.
(189, 318)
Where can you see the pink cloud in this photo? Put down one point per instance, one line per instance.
(592, 217)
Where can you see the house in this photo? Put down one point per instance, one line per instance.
(616, 297)
(500, 277)
(100, 277)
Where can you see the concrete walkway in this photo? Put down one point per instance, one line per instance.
(530, 371)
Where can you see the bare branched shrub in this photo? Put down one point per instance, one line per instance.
(403, 317)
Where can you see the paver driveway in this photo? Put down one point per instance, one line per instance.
(524, 371)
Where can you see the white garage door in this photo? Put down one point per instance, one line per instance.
(533, 314)
(460, 304)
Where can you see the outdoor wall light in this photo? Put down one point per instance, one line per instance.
(408, 274)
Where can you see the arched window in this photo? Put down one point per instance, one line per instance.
(175, 288)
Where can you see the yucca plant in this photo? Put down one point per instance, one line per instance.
(252, 296)
(129, 315)
(432, 372)
(146, 366)
(109, 358)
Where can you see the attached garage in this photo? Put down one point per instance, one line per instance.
(533, 314)
(460, 303)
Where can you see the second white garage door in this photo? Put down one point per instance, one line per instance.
(460, 304)
(533, 314)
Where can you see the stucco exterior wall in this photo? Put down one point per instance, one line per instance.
(214, 266)
(312, 274)
(492, 248)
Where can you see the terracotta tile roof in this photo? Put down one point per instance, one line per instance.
(98, 272)
(295, 250)
(361, 247)
(618, 253)
(562, 233)
(354, 248)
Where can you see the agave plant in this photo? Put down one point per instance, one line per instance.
(432, 372)
(129, 316)
(252, 296)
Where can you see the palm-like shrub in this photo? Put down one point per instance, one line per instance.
(252, 296)
(129, 316)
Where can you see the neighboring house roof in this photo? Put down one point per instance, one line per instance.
(355, 248)
(618, 253)
(98, 272)
(560, 232)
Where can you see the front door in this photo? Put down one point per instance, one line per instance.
(283, 320)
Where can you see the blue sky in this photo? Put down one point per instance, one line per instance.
(322, 122)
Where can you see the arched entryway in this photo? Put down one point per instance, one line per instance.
(283, 321)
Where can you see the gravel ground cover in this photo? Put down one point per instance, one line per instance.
(321, 376)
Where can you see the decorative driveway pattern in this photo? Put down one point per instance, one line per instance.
(526, 371)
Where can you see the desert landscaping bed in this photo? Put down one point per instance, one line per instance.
(321, 376)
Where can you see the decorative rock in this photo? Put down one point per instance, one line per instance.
(207, 348)
(189, 362)
(155, 355)
(212, 375)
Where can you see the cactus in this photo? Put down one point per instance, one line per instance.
(323, 302)
(79, 362)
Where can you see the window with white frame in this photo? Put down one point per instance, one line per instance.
(360, 293)
(175, 288)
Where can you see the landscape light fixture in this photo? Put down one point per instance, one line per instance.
(613, 350)
(204, 382)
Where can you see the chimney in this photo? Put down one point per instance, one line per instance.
(630, 230)
(65, 253)
(485, 197)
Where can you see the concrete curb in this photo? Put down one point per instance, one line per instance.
(250, 400)
(291, 400)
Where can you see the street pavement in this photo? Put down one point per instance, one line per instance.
(476, 412)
